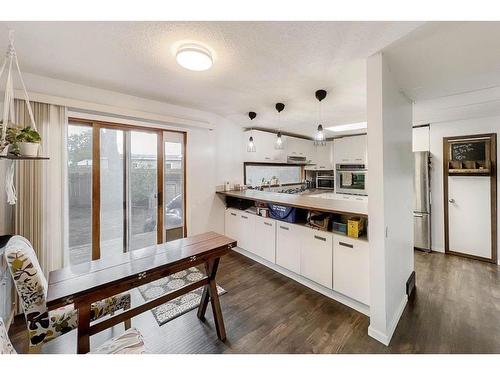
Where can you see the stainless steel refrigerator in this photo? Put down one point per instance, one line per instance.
(422, 202)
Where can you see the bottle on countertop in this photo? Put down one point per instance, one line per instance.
(227, 186)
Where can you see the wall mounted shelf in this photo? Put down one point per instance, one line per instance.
(14, 157)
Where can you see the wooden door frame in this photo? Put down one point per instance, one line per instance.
(493, 195)
(96, 126)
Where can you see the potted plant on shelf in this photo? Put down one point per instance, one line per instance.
(29, 142)
(11, 138)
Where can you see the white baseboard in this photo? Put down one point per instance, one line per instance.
(385, 338)
(353, 304)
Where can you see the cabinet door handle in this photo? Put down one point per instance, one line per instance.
(233, 214)
(346, 244)
(359, 199)
(269, 224)
(359, 159)
(244, 217)
(320, 238)
(285, 228)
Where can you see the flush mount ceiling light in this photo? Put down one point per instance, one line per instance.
(194, 57)
(319, 138)
(278, 145)
(251, 143)
(347, 127)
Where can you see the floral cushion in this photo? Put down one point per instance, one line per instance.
(109, 305)
(31, 286)
(5, 344)
(130, 342)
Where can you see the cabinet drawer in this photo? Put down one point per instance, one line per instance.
(231, 223)
(246, 231)
(316, 256)
(288, 246)
(265, 238)
(351, 271)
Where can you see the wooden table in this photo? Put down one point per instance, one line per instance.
(86, 283)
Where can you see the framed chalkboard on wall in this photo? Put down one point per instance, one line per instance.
(469, 151)
(469, 156)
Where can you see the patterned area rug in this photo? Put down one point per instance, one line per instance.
(179, 305)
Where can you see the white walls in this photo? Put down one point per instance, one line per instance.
(462, 114)
(391, 195)
(437, 132)
(213, 156)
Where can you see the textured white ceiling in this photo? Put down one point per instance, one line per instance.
(446, 58)
(256, 64)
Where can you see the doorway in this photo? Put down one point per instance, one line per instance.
(126, 188)
(470, 196)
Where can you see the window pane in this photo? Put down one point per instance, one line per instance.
(174, 185)
(143, 189)
(112, 192)
(79, 193)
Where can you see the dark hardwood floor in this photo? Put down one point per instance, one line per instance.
(456, 309)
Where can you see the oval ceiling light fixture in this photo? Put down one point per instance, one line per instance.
(194, 57)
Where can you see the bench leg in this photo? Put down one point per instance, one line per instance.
(210, 292)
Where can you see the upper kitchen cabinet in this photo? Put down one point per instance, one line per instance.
(351, 149)
(322, 158)
(421, 138)
(300, 147)
(264, 148)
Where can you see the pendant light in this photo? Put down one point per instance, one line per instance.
(251, 143)
(319, 138)
(278, 145)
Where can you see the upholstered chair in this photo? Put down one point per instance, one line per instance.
(31, 285)
(129, 342)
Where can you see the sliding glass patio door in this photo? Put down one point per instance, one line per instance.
(126, 188)
(174, 185)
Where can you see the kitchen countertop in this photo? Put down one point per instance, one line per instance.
(305, 201)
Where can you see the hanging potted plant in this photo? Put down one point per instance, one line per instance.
(29, 142)
(14, 139)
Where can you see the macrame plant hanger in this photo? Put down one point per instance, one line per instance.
(8, 118)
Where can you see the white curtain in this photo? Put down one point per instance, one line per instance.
(40, 213)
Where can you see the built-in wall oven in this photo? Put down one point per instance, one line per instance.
(325, 181)
(350, 179)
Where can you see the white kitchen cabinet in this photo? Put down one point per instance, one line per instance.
(265, 238)
(246, 231)
(322, 158)
(351, 268)
(232, 224)
(316, 256)
(240, 226)
(351, 149)
(300, 147)
(421, 139)
(288, 239)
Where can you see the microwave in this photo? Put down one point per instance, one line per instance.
(350, 179)
(325, 182)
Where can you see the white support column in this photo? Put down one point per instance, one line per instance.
(390, 191)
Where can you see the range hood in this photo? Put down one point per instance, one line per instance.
(292, 159)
